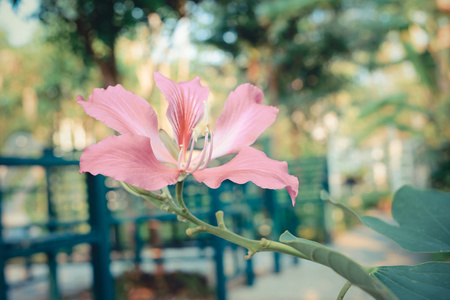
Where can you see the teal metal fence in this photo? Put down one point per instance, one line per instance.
(54, 240)
(95, 211)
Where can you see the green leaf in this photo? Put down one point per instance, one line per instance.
(426, 281)
(371, 107)
(344, 266)
(423, 219)
(326, 197)
(423, 63)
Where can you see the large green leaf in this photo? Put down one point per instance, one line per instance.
(426, 281)
(344, 266)
(423, 219)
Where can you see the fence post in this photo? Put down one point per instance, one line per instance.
(51, 255)
(99, 220)
(272, 208)
(249, 272)
(139, 244)
(326, 187)
(53, 275)
(247, 224)
(3, 286)
(219, 247)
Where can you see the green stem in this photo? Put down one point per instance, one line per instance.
(166, 202)
(168, 196)
(142, 193)
(179, 196)
(221, 231)
(273, 246)
(344, 290)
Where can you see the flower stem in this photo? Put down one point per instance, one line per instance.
(165, 202)
(344, 290)
(253, 246)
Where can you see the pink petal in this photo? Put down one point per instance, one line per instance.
(128, 158)
(251, 165)
(186, 107)
(126, 113)
(243, 119)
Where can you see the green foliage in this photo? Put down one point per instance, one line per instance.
(299, 40)
(373, 199)
(289, 8)
(375, 106)
(424, 65)
(37, 92)
(387, 112)
(440, 178)
(304, 53)
(426, 281)
(90, 28)
(341, 264)
(423, 227)
(80, 21)
(423, 220)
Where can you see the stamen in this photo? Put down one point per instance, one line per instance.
(207, 130)
(193, 140)
(180, 155)
(208, 158)
(195, 133)
(202, 155)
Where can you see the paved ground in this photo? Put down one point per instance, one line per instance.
(302, 281)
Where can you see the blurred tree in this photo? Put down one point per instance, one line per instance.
(91, 27)
(34, 91)
(422, 44)
(288, 47)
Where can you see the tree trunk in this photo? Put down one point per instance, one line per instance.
(108, 68)
(107, 64)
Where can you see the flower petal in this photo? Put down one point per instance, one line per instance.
(128, 158)
(126, 113)
(251, 165)
(186, 107)
(243, 119)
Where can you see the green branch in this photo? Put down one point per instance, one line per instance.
(291, 245)
(165, 202)
(344, 290)
(221, 231)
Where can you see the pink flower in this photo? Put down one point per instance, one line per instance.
(148, 158)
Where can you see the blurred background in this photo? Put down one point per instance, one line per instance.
(363, 92)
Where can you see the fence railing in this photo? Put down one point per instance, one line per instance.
(101, 208)
(53, 241)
